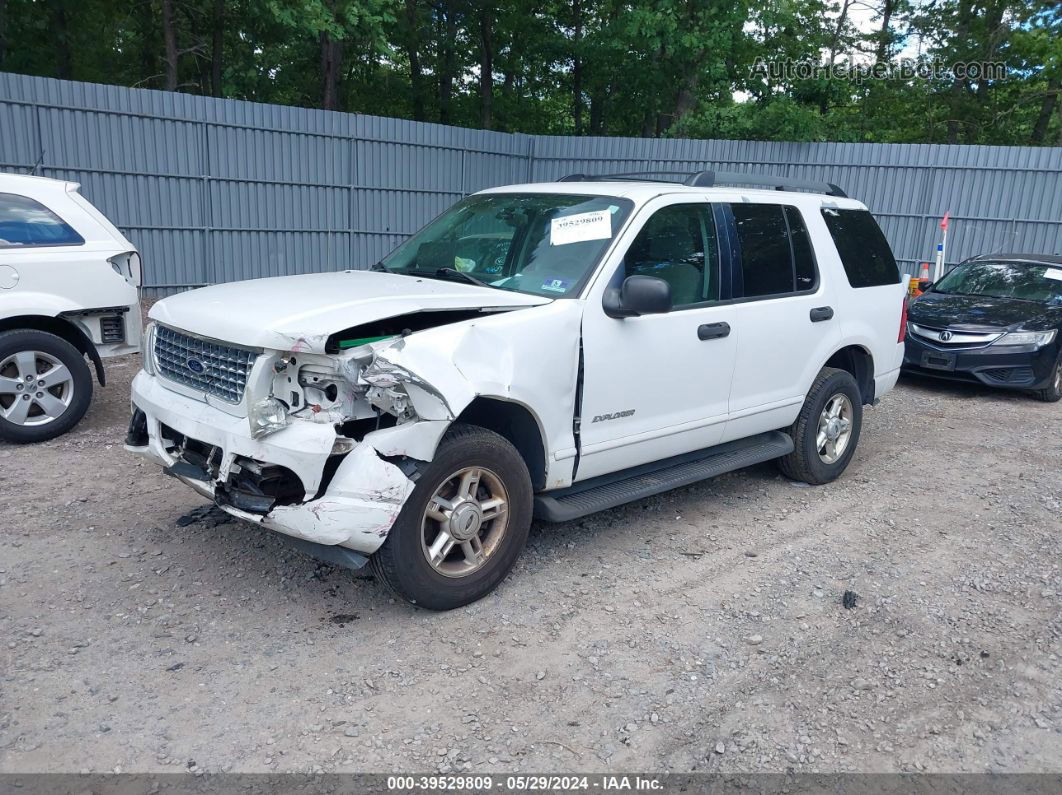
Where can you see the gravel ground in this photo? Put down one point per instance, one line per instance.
(702, 630)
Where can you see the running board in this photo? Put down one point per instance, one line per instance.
(608, 491)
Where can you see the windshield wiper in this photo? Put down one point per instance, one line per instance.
(445, 273)
(379, 266)
(468, 277)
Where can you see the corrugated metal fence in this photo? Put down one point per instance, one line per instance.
(216, 190)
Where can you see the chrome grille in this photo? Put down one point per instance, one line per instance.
(949, 338)
(210, 367)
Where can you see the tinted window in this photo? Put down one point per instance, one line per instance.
(763, 250)
(25, 223)
(865, 253)
(803, 257)
(678, 245)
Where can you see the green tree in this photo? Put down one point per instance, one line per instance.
(611, 67)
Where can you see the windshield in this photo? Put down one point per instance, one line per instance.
(543, 244)
(1024, 281)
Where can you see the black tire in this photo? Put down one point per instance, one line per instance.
(805, 462)
(402, 563)
(80, 384)
(1053, 392)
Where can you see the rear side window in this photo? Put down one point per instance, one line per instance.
(864, 251)
(773, 254)
(25, 223)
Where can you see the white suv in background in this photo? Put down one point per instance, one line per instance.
(543, 350)
(69, 289)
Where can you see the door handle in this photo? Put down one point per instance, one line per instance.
(713, 331)
(820, 313)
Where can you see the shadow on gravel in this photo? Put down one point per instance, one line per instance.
(209, 538)
(961, 389)
(695, 498)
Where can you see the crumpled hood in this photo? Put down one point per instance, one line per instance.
(299, 313)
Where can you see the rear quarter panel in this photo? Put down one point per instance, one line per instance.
(869, 317)
(53, 280)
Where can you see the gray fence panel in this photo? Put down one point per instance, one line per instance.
(215, 190)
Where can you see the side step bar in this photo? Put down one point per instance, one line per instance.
(608, 491)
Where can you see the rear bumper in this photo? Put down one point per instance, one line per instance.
(1015, 367)
(355, 509)
(113, 330)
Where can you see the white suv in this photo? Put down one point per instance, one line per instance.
(69, 289)
(543, 350)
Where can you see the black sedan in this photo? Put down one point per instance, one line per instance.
(995, 319)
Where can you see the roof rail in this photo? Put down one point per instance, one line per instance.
(708, 179)
(632, 176)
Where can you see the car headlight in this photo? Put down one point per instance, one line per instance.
(148, 349)
(1037, 338)
(266, 416)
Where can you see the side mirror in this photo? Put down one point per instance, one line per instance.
(639, 295)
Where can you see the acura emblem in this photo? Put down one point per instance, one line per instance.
(945, 336)
(196, 366)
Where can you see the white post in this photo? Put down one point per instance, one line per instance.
(941, 251)
(938, 270)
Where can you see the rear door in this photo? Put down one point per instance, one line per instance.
(782, 312)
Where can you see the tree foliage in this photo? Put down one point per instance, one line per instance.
(601, 67)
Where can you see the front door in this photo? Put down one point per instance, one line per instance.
(657, 385)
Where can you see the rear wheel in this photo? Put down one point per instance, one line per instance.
(1053, 392)
(45, 386)
(826, 431)
(464, 525)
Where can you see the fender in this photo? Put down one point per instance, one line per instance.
(857, 360)
(530, 358)
(19, 303)
(43, 311)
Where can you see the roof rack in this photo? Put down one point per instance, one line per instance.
(708, 179)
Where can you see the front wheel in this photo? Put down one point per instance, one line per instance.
(1052, 393)
(45, 386)
(826, 431)
(463, 526)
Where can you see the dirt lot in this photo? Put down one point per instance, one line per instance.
(700, 630)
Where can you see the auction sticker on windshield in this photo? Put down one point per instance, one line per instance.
(595, 225)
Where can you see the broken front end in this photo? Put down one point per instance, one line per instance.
(323, 447)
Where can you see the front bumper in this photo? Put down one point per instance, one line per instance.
(354, 509)
(1010, 367)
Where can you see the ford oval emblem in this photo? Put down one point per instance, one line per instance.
(196, 366)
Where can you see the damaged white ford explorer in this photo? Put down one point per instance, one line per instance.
(546, 351)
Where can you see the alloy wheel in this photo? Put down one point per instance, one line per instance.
(835, 428)
(36, 388)
(464, 521)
